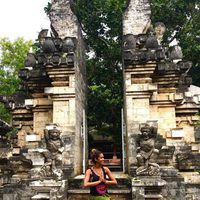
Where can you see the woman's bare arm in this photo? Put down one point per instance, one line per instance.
(86, 180)
(112, 180)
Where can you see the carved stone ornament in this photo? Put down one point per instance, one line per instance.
(48, 45)
(129, 42)
(53, 155)
(30, 60)
(146, 152)
(160, 30)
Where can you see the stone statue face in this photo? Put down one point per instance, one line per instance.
(54, 134)
(146, 133)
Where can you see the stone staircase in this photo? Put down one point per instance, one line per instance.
(122, 191)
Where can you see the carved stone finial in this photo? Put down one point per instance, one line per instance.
(160, 31)
(175, 53)
(30, 61)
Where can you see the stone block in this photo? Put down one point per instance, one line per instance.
(9, 196)
(168, 172)
(41, 196)
(28, 102)
(195, 147)
(177, 133)
(147, 187)
(36, 155)
(33, 138)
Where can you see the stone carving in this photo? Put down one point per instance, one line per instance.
(53, 155)
(151, 42)
(48, 45)
(175, 53)
(30, 61)
(146, 152)
(160, 30)
(68, 45)
(129, 42)
(142, 49)
(53, 51)
(42, 35)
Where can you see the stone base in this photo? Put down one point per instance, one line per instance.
(18, 177)
(144, 187)
(49, 189)
(83, 194)
(175, 188)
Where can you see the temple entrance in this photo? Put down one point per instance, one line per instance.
(111, 145)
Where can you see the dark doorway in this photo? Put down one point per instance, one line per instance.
(110, 144)
(112, 153)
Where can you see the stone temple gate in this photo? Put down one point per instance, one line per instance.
(49, 156)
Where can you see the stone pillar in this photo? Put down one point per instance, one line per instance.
(68, 90)
(138, 85)
(155, 82)
(137, 108)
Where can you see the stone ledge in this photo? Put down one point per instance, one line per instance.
(86, 191)
(159, 196)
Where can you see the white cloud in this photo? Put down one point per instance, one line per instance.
(22, 18)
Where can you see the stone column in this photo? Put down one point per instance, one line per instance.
(138, 86)
(68, 90)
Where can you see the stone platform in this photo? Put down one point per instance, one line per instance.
(122, 191)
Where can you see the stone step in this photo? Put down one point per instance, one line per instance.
(153, 197)
(111, 191)
(84, 194)
(124, 182)
(41, 196)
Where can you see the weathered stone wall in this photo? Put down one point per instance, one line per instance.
(136, 18)
(80, 107)
(166, 118)
(63, 20)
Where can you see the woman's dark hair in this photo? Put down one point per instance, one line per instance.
(94, 154)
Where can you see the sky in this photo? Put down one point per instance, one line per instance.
(22, 18)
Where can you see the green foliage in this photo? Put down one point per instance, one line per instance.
(4, 113)
(101, 23)
(12, 133)
(47, 8)
(197, 170)
(12, 57)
